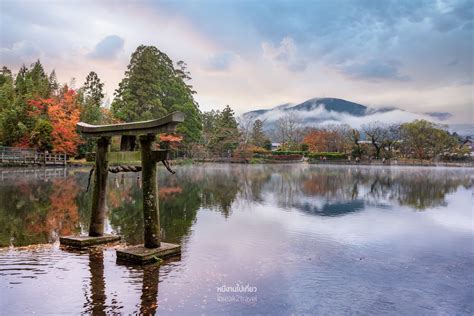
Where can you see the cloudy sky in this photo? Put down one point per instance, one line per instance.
(416, 55)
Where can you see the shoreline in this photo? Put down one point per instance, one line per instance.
(77, 164)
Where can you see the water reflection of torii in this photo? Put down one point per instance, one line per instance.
(146, 131)
(96, 301)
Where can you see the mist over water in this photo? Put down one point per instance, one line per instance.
(307, 239)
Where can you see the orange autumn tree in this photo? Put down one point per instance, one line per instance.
(317, 140)
(169, 141)
(64, 114)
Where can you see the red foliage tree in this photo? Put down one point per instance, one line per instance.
(39, 107)
(64, 114)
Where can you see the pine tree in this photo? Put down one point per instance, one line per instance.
(226, 134)
(258, 136)
(90, 97)
(20, 81)
(7, 89)
(53, 83)
(93, 89)
(227, 118)
(38, 81)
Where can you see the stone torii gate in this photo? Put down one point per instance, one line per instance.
(146, 132)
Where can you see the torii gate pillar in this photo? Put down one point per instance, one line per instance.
(98, 209)
(151, 213)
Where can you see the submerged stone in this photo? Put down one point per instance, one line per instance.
(141, 255)
(87, 241)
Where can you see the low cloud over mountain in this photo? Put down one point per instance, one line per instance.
(322, 111)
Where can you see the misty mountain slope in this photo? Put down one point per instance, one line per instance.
(330, 104)
(321, 111)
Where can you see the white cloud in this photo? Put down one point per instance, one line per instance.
(264, 54)
(285, 54)
(321, 116)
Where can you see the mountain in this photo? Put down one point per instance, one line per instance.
(330, 104)
(320, 111)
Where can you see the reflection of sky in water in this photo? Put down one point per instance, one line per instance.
(318, 240)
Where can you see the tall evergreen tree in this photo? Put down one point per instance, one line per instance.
(7, 89)
(94, 89)
(20, 81)
(258, 136)
(152, 88)
(38, 81)
(227, 118)
(90, 96)
(53, 83)
(7, 98)
(226, 135)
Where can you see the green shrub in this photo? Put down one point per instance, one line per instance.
(329, 155)
(289, 152)
(304, 147)
(90, 156)
(255, 161)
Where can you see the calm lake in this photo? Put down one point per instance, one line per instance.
(268, 239)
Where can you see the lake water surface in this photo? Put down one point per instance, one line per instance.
(267, 239)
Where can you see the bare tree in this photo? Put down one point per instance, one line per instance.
(382, 136)
(281, 130)
(245, 124)
(377, 133)
(294, 129)
(288, 130)
(338, 141)
(394, 136)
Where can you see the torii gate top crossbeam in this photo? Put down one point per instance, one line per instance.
(165, 124)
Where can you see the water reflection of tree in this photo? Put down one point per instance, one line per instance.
(178, 205)
(219, 190)
(126, 214)
(33, 212)
(254, 179)
(83, 201)
(419, 190)
(340, 190)
(19, 201)
(62, 216)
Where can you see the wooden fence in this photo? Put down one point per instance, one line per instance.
(26, 156)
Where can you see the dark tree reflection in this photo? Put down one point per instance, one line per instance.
(37, 211)
(96, 304)
(149, 297)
